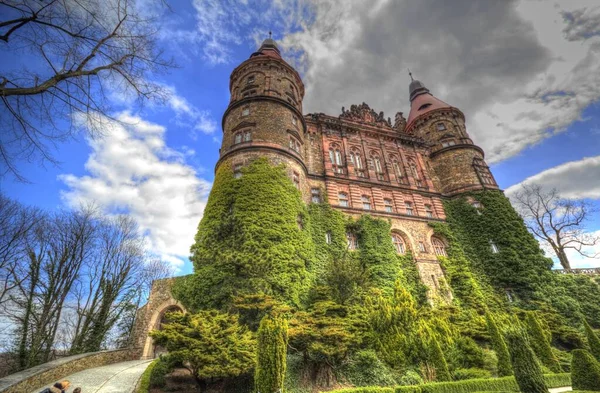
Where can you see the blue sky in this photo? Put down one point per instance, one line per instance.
(526, 75)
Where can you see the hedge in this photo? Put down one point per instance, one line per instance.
(144, 383)
(504, 384)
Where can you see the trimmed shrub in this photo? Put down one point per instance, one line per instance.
(366, 369)
(528, 373)
(271, 354)
(593, 340)
(439, 361)
(473, 385)
(557, 380)
(585, 371)
(366, 389)
(144, 383)
(471, 373)
(540, 343)
(158, 373)
(408, 389)
(411, 377)
(504, 365)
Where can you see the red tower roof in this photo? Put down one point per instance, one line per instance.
(421, 102)
(268, 48)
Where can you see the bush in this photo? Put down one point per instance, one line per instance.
(540, 343)
(411, 377)
(158, 373)
(557, 380)
(271, 354)
(471, 373)
(593, 340)
(585, 371)
(365, 369)
(472, 385)
(527, 371)
(144, 384)
(504, 366)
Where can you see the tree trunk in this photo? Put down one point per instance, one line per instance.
(562, 257)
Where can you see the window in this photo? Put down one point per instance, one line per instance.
(335, 156)
(397, 170)
(352, 242)
(428, 211)
(441, 126)
(422, 247)
(338, 157)
(328, 237)
(250, 80)
(294, 120)
(245, 111)
(483, 172)
(448, 143)
(438, 247)
(355, 159)
(295, 145)
(477, 206)
(398, 243)
(238, 138)
(296, 179)
(247, 136)
(377, 163)
(413, 170)
(494, 247)
(366, 202)
(343, 199)
(237, 171)
(409, 208)
(315, 195)
(388, 205)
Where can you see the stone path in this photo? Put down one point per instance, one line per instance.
(114, 378)
(560, 390)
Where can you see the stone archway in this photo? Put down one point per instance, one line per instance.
(150, 351)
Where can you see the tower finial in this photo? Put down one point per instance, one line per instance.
(410, 74)
(270, 34)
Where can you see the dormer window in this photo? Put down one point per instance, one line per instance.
(424, 106)
(250, 80)
(441, 126)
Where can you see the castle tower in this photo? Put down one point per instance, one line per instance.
(458, 163)
(264, 116)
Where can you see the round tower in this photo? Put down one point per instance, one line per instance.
(456, 161)
(264, 116)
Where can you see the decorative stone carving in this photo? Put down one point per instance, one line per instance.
(364, 113)
(399, 122)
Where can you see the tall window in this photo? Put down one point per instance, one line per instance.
(315, 195)
(335, 156)
(296, 179)
(439, 247)
(237, 171)
(415, 172)
(366, 202)
(422, 247)
(398, 243)
(328, 237)
(238, 137)
(294, 144)
(483, 171)
(343, 199)
(397, 170)
(428, 211)
(247, 136)
(409, 208)
(352, 241)
(494, 247)
(387, 204)
(356, 159)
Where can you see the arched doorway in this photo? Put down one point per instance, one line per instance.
(156, 321)
(158, 349)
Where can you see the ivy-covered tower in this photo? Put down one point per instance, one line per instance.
(456, 161)
(264, 116)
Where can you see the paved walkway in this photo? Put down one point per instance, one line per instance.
(556, 390)
(114, 378)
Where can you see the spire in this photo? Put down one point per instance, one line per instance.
(268, 47)
(416, 87)
(421, 101)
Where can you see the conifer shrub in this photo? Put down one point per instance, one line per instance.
(593, 340)
(438, 361)
(540, 343)
(365, 369)
(528, 373)
(271, 354)
(499, 346)
(585, 371)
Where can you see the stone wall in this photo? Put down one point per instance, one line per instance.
(34, 378)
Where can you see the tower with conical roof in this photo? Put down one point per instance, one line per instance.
(264, 116)
(457, 162)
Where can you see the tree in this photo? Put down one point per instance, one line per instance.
(592, 339)
(271, 355)
(540, 343)
(499, 346)
(212, 345)
(438, 361)
(585, 371)
(528, 373)
(557, 221)
(74, 51)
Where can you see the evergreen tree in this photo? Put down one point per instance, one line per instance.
(540, 343)
(438, 361)
(585, 371)
(528, 373)
(504, 366)
(271, 355)
(593, 340)
(212, 345)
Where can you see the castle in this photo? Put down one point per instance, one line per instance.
(359, 161)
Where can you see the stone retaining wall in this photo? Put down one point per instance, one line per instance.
(29, 380)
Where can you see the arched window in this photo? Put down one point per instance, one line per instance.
(398, 243)
(343, 199)
(356, 159)
(415, 172)
(397, 170)
(388, 206)
(335, 156)
(438, 247)
(366, 201)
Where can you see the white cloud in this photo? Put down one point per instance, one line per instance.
(578, 261)
(131, 169)
(188, 115)
(575, 179)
